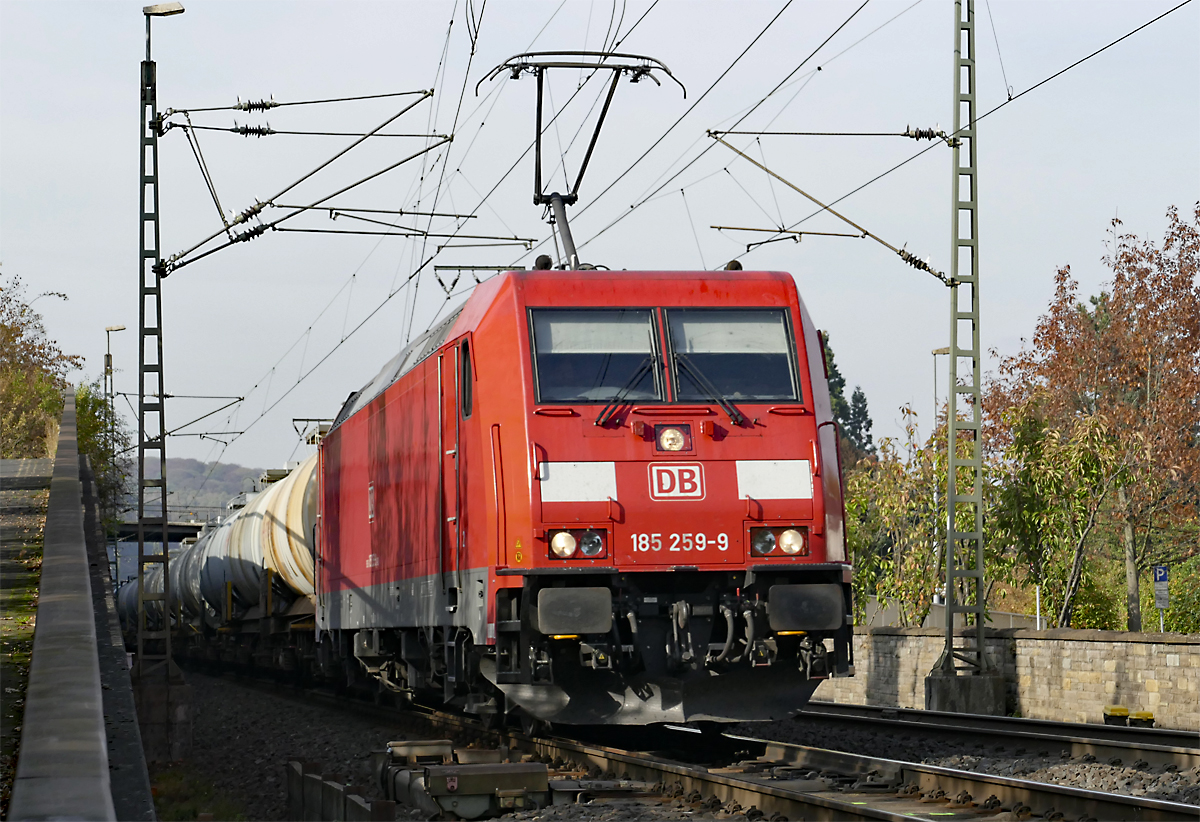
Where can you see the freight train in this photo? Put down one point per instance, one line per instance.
(585, 497)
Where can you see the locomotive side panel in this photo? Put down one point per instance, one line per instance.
(380, 547)
(827, 442)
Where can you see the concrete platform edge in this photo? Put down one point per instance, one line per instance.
(129, 777)
(62, 765)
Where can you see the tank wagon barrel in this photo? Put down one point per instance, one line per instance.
(219, 578)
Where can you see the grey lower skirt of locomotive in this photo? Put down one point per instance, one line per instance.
(675, 622)
(604, 647)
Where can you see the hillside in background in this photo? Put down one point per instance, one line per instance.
(194, 489)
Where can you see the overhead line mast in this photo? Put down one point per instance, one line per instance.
(964, 446)
(154, 671)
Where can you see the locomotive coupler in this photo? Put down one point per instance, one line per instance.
(715, 657)
(680, 654)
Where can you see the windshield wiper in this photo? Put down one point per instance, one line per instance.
(698, 377)
(610, 410)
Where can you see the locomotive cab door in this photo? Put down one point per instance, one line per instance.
(450, 389)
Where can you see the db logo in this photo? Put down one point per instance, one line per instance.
(677, 481)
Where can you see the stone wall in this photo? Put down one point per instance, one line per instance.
(1062, 674)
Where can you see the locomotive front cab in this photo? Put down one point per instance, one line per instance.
(684, 557)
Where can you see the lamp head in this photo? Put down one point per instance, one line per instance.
(115, 328)
(163, 9)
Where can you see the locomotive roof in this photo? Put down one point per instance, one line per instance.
(423, 346)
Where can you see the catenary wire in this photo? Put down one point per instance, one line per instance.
(271, 132)
(991, 111)
(414, 275)
(996, 40)
(446, 158)
(692, 223)
(269, 104)
(707, 148)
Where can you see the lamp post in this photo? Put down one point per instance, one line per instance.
(939, 598)
(109, 388)
(936, 353)
(159, 10)
(158, 686)
(109, 400)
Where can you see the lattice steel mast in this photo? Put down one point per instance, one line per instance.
(964, 491)
(153, 643)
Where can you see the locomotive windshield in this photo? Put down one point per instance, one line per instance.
(741, 353)
(594, 355)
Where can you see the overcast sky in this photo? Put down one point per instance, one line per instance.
(1117, 136)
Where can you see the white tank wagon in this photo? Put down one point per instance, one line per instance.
(222, 576)
(127, 602)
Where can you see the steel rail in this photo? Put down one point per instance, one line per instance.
(937, 784)
(796, 781)
(1157, 746)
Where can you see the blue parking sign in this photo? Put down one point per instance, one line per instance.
(1162, 597)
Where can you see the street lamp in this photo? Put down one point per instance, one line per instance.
(109, 399)
(939, 598)
(108, 369)
(935, 352)
(154, 670)
(160, 10)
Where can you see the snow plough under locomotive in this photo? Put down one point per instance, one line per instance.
(585, 497)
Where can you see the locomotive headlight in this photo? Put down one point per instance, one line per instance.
(591, 544)
(791, 541)
(670, 439)
(563, 545)
(762, 541)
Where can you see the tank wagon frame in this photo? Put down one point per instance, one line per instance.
(585, 497)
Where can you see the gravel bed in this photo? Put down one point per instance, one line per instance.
(242, 739)
(1150, 782)
(619, 810)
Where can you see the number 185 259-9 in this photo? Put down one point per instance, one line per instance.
(679, 542)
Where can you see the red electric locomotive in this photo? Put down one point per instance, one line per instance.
(595, 497)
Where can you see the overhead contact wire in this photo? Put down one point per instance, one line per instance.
(991, 111)
(707, 148)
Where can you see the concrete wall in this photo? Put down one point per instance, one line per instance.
(1060, 674)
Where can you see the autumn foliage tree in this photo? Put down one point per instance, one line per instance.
(33, 373)
(1115, 386)
(853, 418)
(896, 522)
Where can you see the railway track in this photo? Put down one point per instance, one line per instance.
(1154, 746)
(681, 770)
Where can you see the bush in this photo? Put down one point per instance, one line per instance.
(104, 438)
(32, 376)
(1100, 603)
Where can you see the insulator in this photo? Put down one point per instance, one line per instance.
(250, 234)
(248, 213)
(914, 260)
(923, 133)
(253, 131)
(255, 105)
